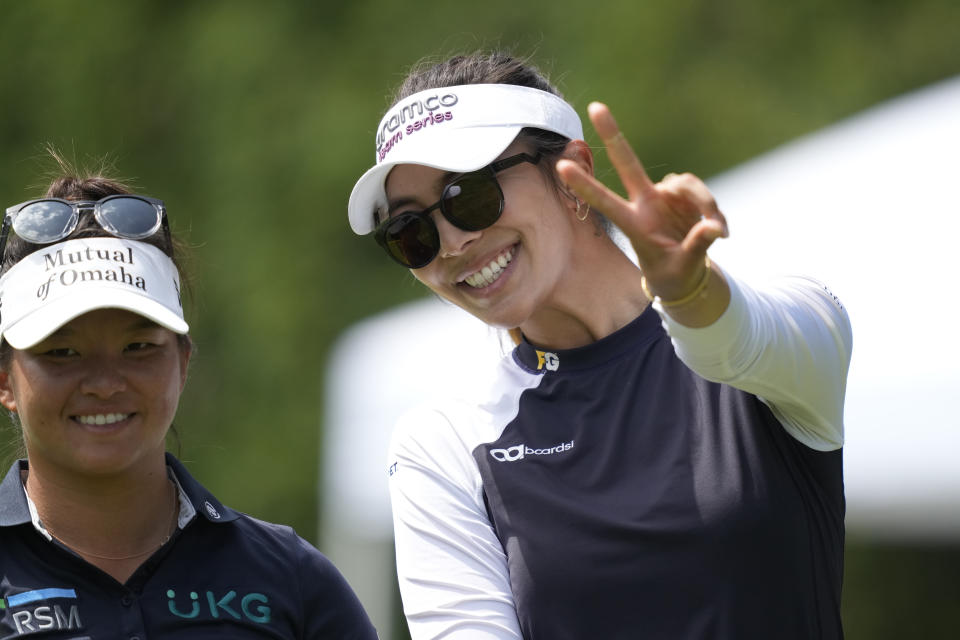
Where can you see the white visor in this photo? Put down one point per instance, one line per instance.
(461, 128)
(55, 284)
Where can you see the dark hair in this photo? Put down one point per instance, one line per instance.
(493, 67)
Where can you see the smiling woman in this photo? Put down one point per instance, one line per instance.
(103, 533)
(660, 455)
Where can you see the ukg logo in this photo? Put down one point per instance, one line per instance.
(252, 606)
(520, 451)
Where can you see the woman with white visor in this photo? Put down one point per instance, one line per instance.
(102, 533)
(660, 456)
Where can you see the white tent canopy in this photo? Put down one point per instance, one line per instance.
(867, 205)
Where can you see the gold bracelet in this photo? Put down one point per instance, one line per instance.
(697, 290)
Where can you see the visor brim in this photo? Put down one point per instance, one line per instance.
(38, 325)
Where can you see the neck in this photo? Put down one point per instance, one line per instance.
(110, 521)
(599, 293)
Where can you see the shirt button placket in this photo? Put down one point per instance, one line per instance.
(132, 617)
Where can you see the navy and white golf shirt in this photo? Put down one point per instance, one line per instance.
(222, 574)
(651, 485)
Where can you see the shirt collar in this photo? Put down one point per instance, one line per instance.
(201, 500)
(643, 329)
(13, 500)
(16, 506)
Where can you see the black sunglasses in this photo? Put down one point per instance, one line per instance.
(48, 220)
(471, 201)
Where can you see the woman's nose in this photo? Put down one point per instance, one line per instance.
(453, 240)
(103, 379)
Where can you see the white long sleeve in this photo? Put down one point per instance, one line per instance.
(451, 567)
(788, 344)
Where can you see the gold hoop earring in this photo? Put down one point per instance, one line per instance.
(586, 210)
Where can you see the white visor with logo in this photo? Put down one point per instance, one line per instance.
(55, 284)
(461, 128)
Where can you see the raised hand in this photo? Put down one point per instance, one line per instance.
(670, 224)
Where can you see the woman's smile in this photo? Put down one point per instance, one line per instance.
(104, 422)
(99, 394)
(100, 419)
(505, 272)
(491, 271)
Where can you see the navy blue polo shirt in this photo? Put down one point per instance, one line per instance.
(222, 574)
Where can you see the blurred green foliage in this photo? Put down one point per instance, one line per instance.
(253, 119)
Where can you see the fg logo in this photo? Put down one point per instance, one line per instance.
(548, 360)
(510, 454)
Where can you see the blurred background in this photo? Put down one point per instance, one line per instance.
(252, 120)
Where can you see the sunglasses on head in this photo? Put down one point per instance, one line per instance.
(49, 220)
(471, 201)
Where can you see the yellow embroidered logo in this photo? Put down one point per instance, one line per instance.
(548, 360)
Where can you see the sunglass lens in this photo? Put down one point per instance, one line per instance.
(412, 240)
(129, 217)
(45, 221)
(473, 202)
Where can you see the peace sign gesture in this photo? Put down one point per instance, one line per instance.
(670, 224)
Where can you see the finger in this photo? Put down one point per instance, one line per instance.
(678, 201)
(625, 161)
(695, 188)
(689, 189)
(702, 235)
(592, 191)
(679, 212)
